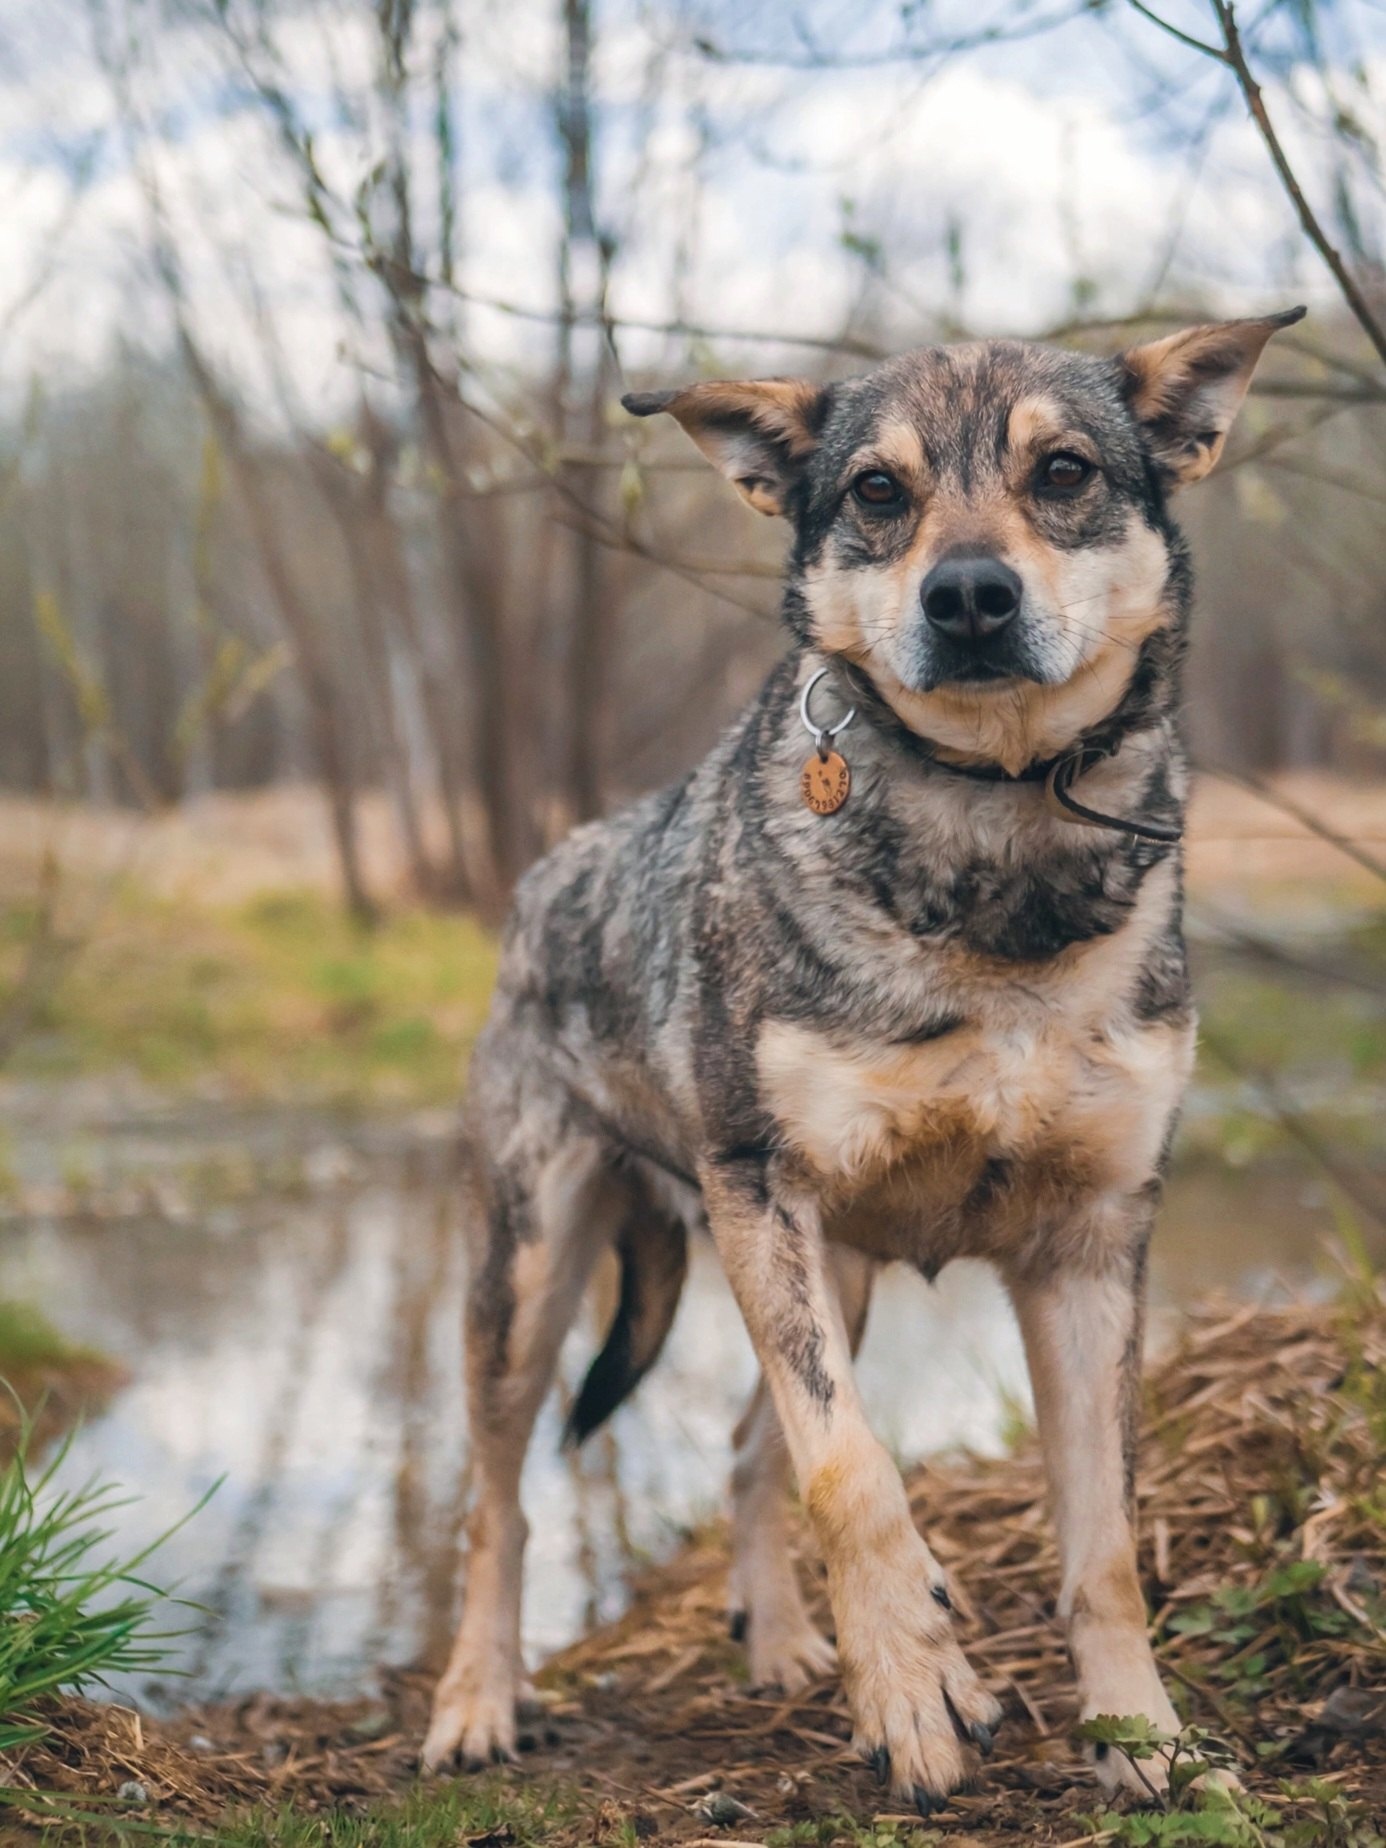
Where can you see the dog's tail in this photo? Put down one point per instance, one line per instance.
(654, 1262)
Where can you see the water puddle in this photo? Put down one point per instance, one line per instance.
(304, 1347)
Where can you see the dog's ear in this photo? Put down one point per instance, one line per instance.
(1185, 389)
(758, 432)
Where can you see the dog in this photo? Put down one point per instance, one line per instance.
(896, 974)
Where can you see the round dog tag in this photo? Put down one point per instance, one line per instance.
(825, 782)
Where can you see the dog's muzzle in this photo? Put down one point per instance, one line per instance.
(970, 606)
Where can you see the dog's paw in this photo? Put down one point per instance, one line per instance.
(916, 1712)
(473, 1719)
(1143, 1777)
(1120, 1677)
(786, 1649)
(1147, 1778)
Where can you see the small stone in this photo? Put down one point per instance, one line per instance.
(133, 1794)
(370, 1726)
(199, 1742)
(723, 1810)
(1356, 1713)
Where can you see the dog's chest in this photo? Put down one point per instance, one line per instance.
(1050, 1081)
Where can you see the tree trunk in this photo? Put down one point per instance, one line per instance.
(578, 638)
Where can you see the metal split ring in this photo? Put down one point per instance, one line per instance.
(822, 735)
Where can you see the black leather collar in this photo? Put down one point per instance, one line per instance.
(1058, 774)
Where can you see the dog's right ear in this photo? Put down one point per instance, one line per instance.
(758, 432)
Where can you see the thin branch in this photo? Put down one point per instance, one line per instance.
(1184, 38)
(845, 343)
(1305, 817)
(1264, 949)
(1298, 1128)
(1234, 56)
(1306, 388)
(607, 531)
(815, 60)
(1322, 474)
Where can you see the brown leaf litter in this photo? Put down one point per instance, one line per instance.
(1261, 1449)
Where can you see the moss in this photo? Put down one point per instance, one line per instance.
(45, 1379)
(30, 1343)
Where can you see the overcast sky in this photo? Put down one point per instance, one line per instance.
(741, 184)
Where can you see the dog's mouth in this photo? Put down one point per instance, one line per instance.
(976, 662)
(974, 672)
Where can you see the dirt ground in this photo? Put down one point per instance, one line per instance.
(1264, 1558)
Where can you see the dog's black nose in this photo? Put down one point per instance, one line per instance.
(970, 599)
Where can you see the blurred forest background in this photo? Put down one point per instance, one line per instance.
(315, 317)
(335, 585)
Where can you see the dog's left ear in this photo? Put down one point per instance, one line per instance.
(758, 432)
(1185, 389)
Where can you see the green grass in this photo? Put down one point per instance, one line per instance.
(70, 1614)
(29, 1343)
(280, 997)
(486, 1810)
(517, 1815)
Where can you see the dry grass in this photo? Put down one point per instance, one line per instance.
(1264, 1553)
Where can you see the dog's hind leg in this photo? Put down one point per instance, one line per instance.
(542, 1225)
(784, 1645)
(1082, 1332)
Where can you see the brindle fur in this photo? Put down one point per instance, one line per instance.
(939, 1022)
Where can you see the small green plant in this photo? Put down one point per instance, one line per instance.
(69, 1615)
(832, 1830)
(1191, 1805)
(1195, 1807)
(1265, 1623)
(1328, 1819)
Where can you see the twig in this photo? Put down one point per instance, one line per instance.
(693, 330)
(1234, 56)
(1297, 1128)
(1184, 38)
(1304, 816)
(815, 60)
(1233, 937)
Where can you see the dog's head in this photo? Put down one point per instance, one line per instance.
(981, 529)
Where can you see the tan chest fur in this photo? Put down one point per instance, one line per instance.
(1050, 1078)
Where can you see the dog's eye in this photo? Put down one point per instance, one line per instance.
(877, 489)
(1065, 471)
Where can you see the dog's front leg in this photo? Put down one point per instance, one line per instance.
(784, 1644)
(1083, 1335)
(913, 1696)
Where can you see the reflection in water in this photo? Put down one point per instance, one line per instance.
(309, 1356)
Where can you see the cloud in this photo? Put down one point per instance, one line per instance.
(991, 189)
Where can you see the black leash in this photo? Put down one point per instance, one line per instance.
(1058, 785)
